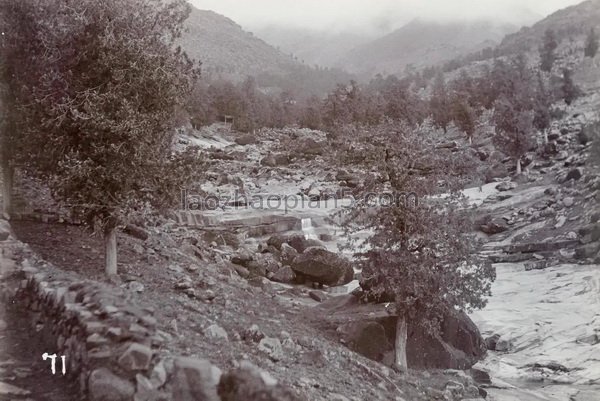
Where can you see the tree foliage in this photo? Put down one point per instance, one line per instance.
(569, 90)
(96, 94)
(419, 256)
(591, 44)
(547, 55)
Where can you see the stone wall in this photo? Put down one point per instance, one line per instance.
(112, 345)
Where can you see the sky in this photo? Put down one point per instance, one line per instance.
(374, 15)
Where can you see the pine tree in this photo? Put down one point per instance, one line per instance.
(439, 104)
(591, 44)
(570, 91)
(547, 56)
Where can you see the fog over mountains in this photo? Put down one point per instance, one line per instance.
(366, 39)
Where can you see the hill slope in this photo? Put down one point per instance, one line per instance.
(569, 22)
(226, 50)
(422, 43)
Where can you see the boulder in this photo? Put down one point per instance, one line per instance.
(492, 341)
(272, 348)
(195, 379)
(216, 331)
(494, 226)
(275, 160)
(268, 262)
(296, 241)
(323, 266)
(104, 385)
(249, 383)
(136, 357)
(574, 174)
(481, 376)
(368, 338)
(587, 251)
(310, 147)
(506, 186)
(246, 140)
(459, 344)
(590, 233)
(242, 257)
(288, 254)
(284, 275)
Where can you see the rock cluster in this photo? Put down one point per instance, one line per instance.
(113, 347)
(293, 258)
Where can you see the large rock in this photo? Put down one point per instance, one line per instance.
(590, 233)
(195, 380)
(574, 174)
(494, 226)
(367, 338)
(284, 275)
(323, 266)
(459, 344)
(296, 241)
(506, 186)
(587, 251)
(104, 385)
(249, 383)
(136, 357)
(275, 160)
(288, 254)
(268, 262)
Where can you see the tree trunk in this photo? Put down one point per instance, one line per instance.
(470, 140)
(545, 136)
(401, 336)
(518, 166)
(7, 185)
(110, 244)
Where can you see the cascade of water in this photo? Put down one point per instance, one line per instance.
(308, 229)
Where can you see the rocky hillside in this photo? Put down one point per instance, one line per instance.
(226, 50)
(571, 22)
(422, 43)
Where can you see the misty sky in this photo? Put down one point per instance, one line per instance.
(374, 15)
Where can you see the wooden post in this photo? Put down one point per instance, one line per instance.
(401, 338)
(110, 244)
(7, 187)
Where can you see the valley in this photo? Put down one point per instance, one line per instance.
(252, 228)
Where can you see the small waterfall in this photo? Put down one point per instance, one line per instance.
(308, 229)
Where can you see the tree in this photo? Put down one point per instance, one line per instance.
(591, 44)
(464, 118)
(18, 33)
(439, 104)
(570, 91)
(542, 102)
(547, 56)
(418, 256)
(96, 115)
(514, 127)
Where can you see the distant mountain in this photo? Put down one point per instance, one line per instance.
(312, 47)
(422, 43)
(569, 22)
(226, 50)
